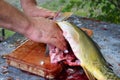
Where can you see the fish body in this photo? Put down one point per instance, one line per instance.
(85, 49)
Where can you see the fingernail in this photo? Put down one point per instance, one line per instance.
(66, 51)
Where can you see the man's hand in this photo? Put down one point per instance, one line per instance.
(31, 9)
(36, 29)
(46, 31)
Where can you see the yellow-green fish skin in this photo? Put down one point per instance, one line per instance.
(87, 52)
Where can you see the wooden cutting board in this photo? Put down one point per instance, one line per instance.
(30, 56)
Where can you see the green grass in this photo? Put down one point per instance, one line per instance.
(54, 5)
(8, 33)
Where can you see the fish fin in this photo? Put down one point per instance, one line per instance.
(89, 75)
(89, 32)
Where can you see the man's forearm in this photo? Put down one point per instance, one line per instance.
(28, 3)
(11, 18)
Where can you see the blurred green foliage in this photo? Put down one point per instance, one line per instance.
(8, 33)
(104, 10)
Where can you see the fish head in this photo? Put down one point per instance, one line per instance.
(71, 36)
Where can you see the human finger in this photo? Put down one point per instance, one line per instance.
(61, 44)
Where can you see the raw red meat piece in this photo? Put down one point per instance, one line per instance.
(57, 55)
(72, 73)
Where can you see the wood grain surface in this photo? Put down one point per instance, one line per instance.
(30, 56)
